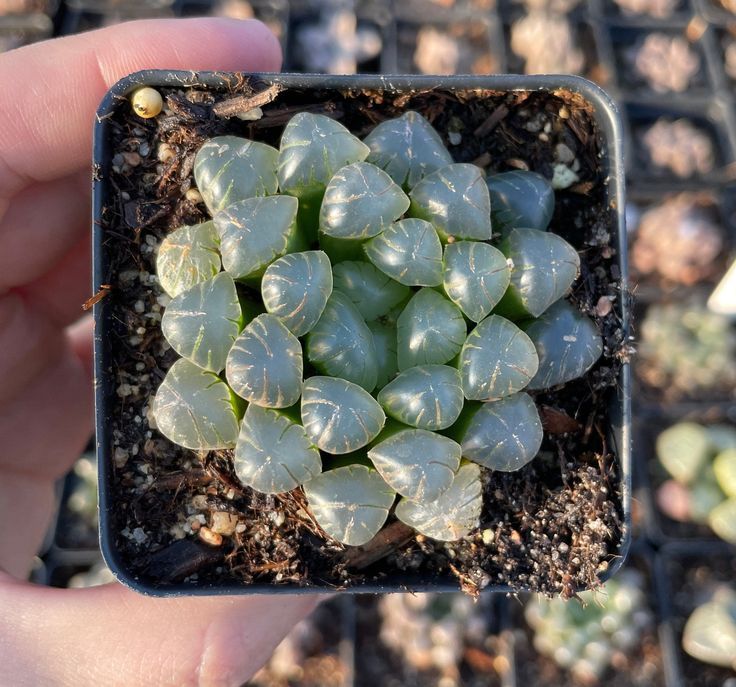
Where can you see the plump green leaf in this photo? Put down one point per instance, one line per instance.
(416, 463)
(350, 503)
(313, 148)
(453, 514)
(567, 343)
(265, 364)
(360, 201)
(202, 323)
(254, 232)
(503, 435)
(683, 450)
(722, 520)
(387, 361)
(724, 467)
(475, 277)
(408, 148)
(497, 359)
(544, 267)
(426, 396)
(455, 200)
(710, 631)
(340, 416)
(520, 199)
(371, 291)
(296, 287)
(341, 345)
(408, 251)
(195, 409)
(704, 496)
(187, 256)
(723, 437)
(228, 169)
(430, 331)
(273, 453)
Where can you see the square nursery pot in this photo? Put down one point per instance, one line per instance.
(559, 524)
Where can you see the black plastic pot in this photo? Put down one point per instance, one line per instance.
(619, 430)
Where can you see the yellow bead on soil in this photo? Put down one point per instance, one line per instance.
(147, 102)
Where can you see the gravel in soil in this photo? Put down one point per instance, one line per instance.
(164, 497)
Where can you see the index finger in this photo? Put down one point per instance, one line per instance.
(46, 119)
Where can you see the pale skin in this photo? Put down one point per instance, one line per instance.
(108, 635)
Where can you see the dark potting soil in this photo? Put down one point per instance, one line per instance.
(692, 581)
(163, 495)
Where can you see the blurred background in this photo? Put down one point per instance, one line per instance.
(670, 617)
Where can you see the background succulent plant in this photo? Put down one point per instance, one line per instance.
(701, 461)
(584, 636)
(710, 631)
(348, 296)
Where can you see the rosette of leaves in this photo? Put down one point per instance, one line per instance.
(588, 634)
(701, 462)
(331, 288)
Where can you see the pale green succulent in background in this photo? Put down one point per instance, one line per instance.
(701, 461)
(344, 258)
(710, 631)
(585, 635)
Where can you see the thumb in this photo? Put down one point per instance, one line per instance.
(112, 636)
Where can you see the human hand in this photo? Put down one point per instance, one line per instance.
(107, 635)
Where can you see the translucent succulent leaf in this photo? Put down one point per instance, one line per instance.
(273, 453)
(408, 148)
(520, 199)
(341, 345)
(503, 435)
(195, 409)
(704, 496)
(497, 359)
(710, 631)
(254, 232)
(544, 267)
(313, 148)
(187, 256)
(409, 252)
(430, 330)
(475, 277)
(455, 199)
(265, 364)
(340, 416)
(724, 467)
(683, 450)
(360, 201)
(228, 169)
(722, 520)
(202, 323)
(371, 291)
(350, 503)
(387, 362)
(426, 396)
(296, 287)
(453, 514)
(568, 343)
(416, 463)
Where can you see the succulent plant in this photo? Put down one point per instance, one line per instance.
(710, 631)
(686, 350)
(585, 636)
(431, 632)
(701, 461)
(330, 290)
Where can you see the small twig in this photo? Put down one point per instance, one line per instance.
(386, 541)
(104, 290)
(245, 103)
(491, 121)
